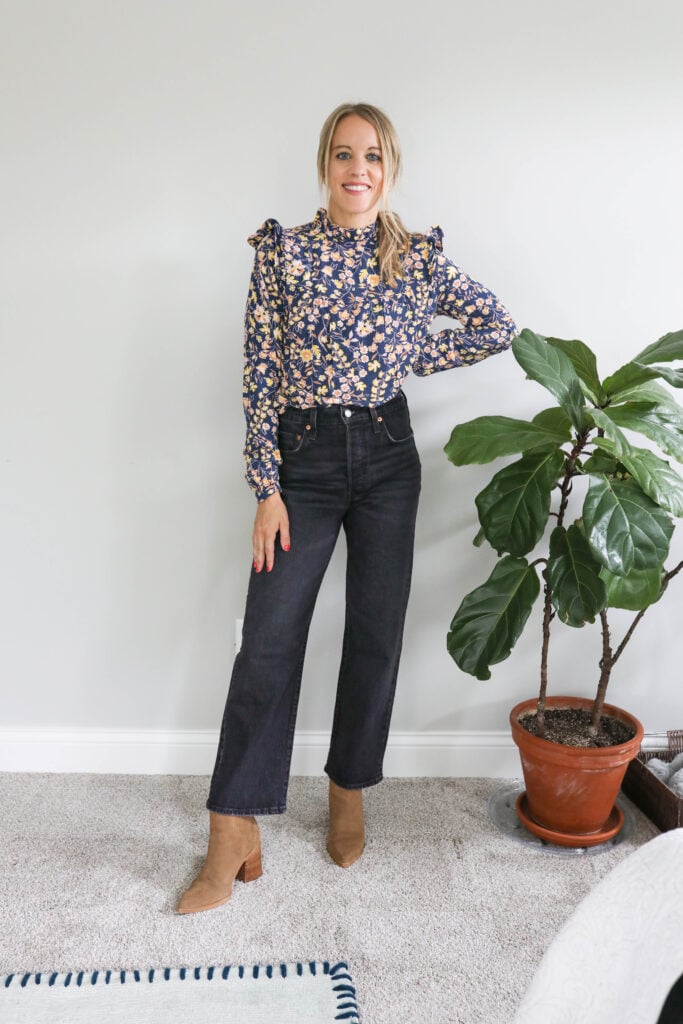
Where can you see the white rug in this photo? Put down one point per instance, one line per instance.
(318, 993)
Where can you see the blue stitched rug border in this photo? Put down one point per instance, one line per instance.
(342, 982)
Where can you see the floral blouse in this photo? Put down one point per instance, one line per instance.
(323, 328)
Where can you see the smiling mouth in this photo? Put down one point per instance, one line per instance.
(356, 188)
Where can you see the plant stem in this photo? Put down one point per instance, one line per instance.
(565, 491)
(547, 616)
(629, 634)
(606, 663)
(610, 657)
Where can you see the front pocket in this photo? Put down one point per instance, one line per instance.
(396, 440)
(396, 424)
(290, 440)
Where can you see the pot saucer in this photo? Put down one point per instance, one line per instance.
(609, 830)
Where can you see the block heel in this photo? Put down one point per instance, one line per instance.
(252, 867)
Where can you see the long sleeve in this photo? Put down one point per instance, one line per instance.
(487, 326)
(263, 336)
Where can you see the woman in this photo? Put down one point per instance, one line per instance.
(337, 315)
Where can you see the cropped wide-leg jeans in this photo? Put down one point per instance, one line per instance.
(343, 466)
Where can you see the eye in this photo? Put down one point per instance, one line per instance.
(374, 157)
(343, 156)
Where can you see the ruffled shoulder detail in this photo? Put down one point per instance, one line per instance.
(435, 235)
(270, 229)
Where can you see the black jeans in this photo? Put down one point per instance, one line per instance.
(347, 466)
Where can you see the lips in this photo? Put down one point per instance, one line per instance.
(356, 188)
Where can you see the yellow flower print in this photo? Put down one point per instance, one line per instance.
(339, 334)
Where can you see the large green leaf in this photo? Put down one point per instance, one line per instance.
(585, 364)
(554, 370)
(627, 377)
(489, 437)
(634, 373)
(513, 507)
(599, 462)
(635, 591)
(667, 348)
(578, 593)
(612, 431)
(625, 528)
(663, 426)
(554, 420)
(656, 477)
(490, 619)
(650, 391)
(673, 377)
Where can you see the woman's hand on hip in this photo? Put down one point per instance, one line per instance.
(271, 519)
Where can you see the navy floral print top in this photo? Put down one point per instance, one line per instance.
(323, 328)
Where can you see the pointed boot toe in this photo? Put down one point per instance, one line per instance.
(234, 853)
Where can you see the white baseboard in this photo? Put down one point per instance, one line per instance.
(185, 752)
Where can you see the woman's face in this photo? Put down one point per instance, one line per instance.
(354, 173)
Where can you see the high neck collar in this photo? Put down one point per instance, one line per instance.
(341, 234)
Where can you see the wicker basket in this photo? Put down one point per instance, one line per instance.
(653, 796)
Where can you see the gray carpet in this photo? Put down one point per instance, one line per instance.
(443, 920)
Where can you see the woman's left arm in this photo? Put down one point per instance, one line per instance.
(487, 326)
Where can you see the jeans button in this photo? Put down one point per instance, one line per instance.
(347, 413)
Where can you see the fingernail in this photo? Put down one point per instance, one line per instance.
(268, 568)
(285, 547)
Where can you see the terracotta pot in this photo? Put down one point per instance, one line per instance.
(572, 790)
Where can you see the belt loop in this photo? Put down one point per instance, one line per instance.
(373, 417)
(312, 421)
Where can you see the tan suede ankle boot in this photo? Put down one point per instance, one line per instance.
(234, 852)
(346, 838)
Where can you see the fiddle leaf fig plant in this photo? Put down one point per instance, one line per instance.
(608, 552)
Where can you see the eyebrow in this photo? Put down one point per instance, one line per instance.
(344, 146)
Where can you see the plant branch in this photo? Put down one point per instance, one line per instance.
(547, 617)
(565, 490)
(669, 576)
(606, 663)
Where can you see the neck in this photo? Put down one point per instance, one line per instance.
(351, 220)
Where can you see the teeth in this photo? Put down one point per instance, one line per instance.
(357, 188)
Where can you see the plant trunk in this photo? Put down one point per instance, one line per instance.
(606, 663)
(547, 616)
(565, 490)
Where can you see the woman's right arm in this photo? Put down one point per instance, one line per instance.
(263, 337)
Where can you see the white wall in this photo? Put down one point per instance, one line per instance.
(142, 142)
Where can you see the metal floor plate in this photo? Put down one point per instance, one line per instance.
(501, 811)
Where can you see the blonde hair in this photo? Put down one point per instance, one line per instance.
(394, 238)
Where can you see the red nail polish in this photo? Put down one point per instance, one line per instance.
(285, 547)
(268, 568)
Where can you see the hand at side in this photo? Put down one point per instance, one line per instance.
(271, 519)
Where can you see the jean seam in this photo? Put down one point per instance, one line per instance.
(286, 764)
(392, 692)
(342, 663)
